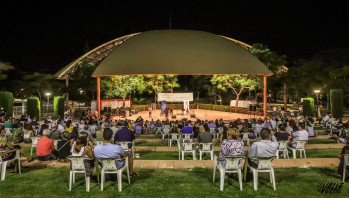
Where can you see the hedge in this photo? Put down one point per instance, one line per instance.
(33, 107)
(58, 106)
(6, 101)
(336, 96)
(308, 106)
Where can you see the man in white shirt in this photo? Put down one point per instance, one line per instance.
(300, 134)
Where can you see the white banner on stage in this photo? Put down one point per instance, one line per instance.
(175, 97)
(242, 103)
(113, 104)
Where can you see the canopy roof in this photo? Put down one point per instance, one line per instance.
(181, 52)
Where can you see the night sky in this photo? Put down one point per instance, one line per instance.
(41, 35)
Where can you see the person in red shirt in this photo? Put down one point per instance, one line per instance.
(45, 147)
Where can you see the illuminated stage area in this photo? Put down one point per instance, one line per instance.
(199, 114)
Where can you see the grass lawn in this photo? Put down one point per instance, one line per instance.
(322, 141)
(53, 182)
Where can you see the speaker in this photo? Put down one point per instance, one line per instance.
(173, 116)
(192, 116)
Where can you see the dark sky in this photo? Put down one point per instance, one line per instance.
(44, 35)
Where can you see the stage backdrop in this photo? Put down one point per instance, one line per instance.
(175, 97)
(242, 103)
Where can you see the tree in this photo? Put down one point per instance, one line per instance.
(275, 63)
(4, 67)
(37, 83)
(123, 86)
(161, 83)
(83, 82)
(237, 83)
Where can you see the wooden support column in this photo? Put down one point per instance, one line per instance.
(265, 95)
(99, 95)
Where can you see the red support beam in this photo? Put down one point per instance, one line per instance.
(99, 95)
(265, 95)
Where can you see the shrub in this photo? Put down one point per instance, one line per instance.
(336, 96)
(33, 107)
(308, 106)
(58, 106)
(6, 101)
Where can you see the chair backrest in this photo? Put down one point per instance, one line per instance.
(220, 130)
(300, 144)
(186, 136)
(212, 130)
(77, 162)
(174, 136)
(233, 163)
(265, 163)
(240, 127)
(188, 146)
(245, 136)
(166, 131)
(35, 140)
(282, 145)
(158, 129)
(99, 142)
(206, 146)
(126, 145)
(109, 164)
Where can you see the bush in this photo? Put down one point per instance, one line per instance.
(308, 106)
(336, 96)
(33, 107)
(58, 106)
(6, 101)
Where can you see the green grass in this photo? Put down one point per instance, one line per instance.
(323, 133)
(322, 141)
(148, 137)
(53, 182)
(322, 153)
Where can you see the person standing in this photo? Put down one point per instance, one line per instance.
(150, 109)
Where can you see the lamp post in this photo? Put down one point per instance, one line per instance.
(317, 102)
(48, 101)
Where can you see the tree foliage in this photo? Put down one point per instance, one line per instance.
(6, 101)
(236, 83)
(4, 67)
(161, 83)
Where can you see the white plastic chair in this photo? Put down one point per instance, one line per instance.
(206, 148)
(282, 148)
(98, 142)
(265, 165)
(232, 165)
(300, 147)
(125, 146)
(77, 166)
(188, 147)
(34, 142)
(346, 163)
(109, 166)
(173, 137)
(187, 137)
(245, 138)
(212, 131)
(5, 163)
(158, 130)
(165, 132)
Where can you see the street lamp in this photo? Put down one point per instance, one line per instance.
(48, 101)
(317, 102)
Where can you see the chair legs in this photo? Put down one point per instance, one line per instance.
(119, 182)
(255, 178)
(87, 184)
(240, 178)
(272, 175)
(70, 179)
(222, 174)
(3, 170)
(344, 170)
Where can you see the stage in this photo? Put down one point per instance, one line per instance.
(199, 114)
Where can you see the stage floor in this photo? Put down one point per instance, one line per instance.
(199, 114)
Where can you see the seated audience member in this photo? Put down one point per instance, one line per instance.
(27, 134)
(300, 134)
(262, 148)
(7, 145)
(232, 146)
(108, 150)
(281, 134)
(204, 136)
(63, 147)
(83, 146)
(55, 133)
(68, 126)
(187, 129)
(310, 129)
(44, 126)
(99, 134)
(124, 134)
(345, 150)
(45, 147)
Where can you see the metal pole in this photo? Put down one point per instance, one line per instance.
(99, 95)
(48, 101)
(265, 95)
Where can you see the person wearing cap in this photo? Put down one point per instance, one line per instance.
(204, 136)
